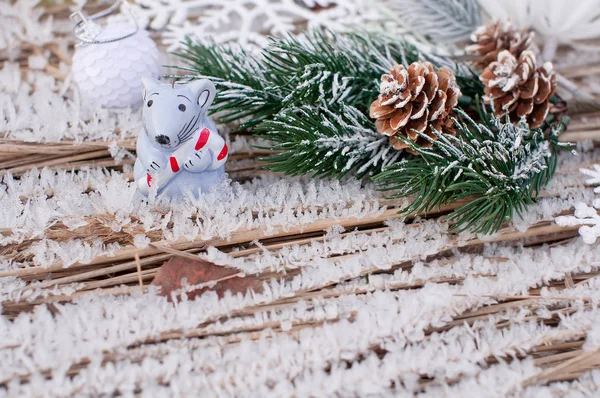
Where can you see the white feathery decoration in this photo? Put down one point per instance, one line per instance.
(441, 20)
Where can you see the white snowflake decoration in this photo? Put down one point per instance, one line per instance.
(249, 22)
(595, 174)
(585, 215)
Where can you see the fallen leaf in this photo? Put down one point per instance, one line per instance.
(170, 275)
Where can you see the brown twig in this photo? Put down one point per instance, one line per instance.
(139, 270)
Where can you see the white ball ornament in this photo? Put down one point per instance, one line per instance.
(108, 70)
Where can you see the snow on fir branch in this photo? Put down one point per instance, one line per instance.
(501, 165)
(326, 143)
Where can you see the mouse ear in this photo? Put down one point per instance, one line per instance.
(149, 83)
(204, 90)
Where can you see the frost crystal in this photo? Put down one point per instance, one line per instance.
(21, 22)
(585, 215)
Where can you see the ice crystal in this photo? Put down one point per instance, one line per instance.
(349, 326)
(21, 22)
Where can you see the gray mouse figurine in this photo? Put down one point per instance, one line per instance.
(179, 147)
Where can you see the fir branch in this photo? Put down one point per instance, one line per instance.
(329, 68)
(500, 166)
(326, 143)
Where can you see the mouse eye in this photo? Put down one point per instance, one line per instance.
(150, 103)
(182, 107)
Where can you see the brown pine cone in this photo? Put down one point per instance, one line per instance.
(491, 39)
(415, 99)
(516, 87)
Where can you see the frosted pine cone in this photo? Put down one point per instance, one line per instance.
(516, 87)
(415, 99)
(109, 74)
(491, 39)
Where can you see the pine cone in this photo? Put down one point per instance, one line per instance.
(490, 40)
(415, 99)
(516, 87)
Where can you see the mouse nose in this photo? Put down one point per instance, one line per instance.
(163, 139)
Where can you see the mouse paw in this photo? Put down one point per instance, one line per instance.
(197, 161)
(156, 164)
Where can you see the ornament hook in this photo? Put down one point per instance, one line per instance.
(87, 31)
